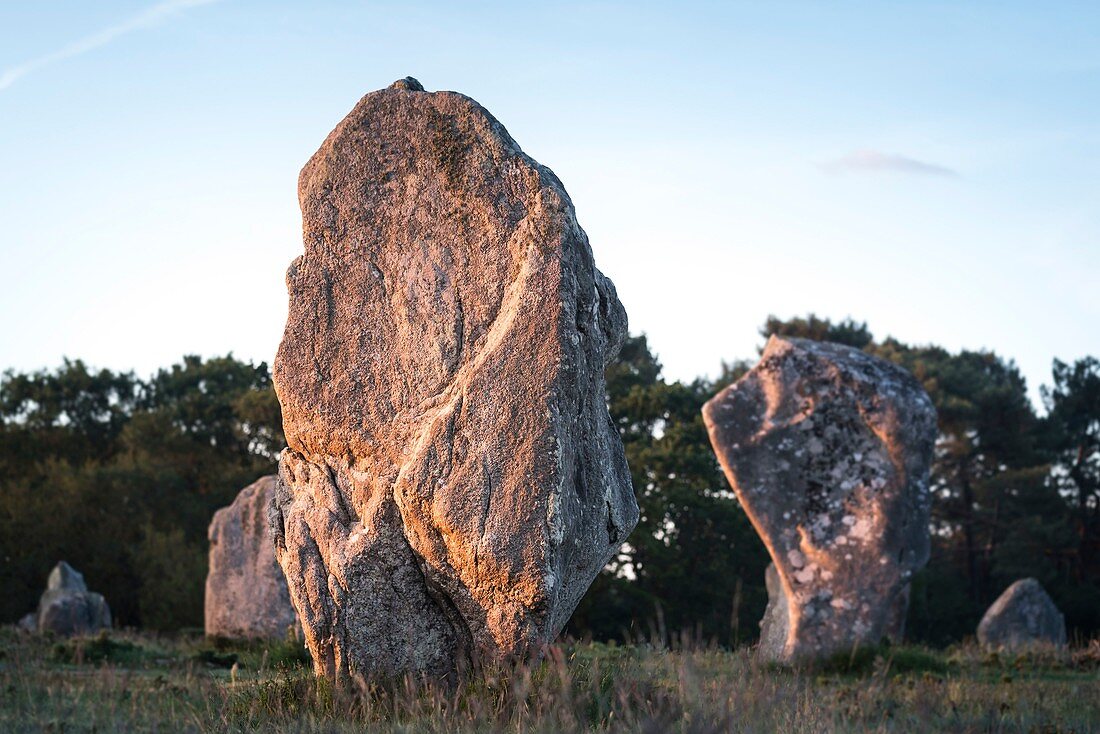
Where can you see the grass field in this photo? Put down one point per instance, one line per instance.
(137, 683)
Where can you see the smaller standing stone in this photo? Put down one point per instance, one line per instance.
(68, 608)
(246, 592)
(828, 450)
(1024, 616)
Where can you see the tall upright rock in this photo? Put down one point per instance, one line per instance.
(828, 450)
(246, 593)
(453, 481)
(1023, 617)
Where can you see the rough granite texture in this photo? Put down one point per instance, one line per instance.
(828, 450)
(1023, 617)
(68, 608)
(246, 592)
(773, 625)
(453, 481)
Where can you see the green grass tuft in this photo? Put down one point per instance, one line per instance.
(882, 658)
(99, 649)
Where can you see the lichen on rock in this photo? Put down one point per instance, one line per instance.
(828, 450)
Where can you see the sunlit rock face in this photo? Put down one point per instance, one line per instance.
(828, 450)
(67, 607)
(246, 593)
(1023, 617)
(453, 481)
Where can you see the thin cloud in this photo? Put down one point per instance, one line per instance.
(148, 17)
(873, 161)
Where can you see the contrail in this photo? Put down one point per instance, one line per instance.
(150, 16)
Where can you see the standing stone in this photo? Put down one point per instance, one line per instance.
(828, 450)
(246, 593)
(453, 481)
(1023, 617)
(68, 608)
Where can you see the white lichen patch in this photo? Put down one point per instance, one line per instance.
(861, 530)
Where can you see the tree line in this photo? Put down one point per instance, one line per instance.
(121, 476)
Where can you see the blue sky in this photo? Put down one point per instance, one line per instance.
(931, 168)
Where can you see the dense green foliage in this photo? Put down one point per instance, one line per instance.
(694, 564)
(120, 476)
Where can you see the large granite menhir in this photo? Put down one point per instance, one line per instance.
(828, 450)
(1023, 617)
(246, 593)
(453, 481)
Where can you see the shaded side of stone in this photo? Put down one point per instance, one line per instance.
(365, 605)
(776, 622)
(76, 613)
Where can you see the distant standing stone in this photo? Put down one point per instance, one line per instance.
(68, 608)
(246, 592)
(828, 450)
(453, 481)
(1024, 616)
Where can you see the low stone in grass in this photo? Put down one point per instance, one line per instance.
(1023, 617)
(67, 608)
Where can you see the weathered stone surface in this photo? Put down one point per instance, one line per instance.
(828, 450)
(68, 608)
(246, 592)
(453, 482)
(774, 624)
(1024, 616)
